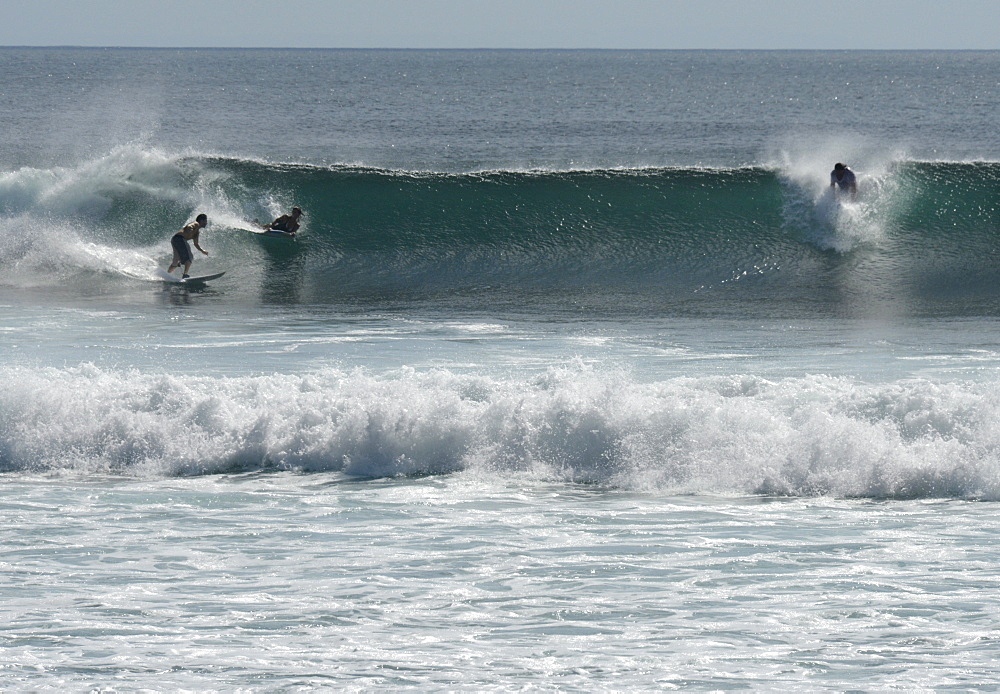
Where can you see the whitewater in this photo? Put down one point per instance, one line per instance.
(577, 376)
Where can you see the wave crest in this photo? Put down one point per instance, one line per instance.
(919, 231)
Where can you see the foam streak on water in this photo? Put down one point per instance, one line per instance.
(225, 583)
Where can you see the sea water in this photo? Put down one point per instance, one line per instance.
(578, 376)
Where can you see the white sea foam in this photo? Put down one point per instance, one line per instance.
(741, 434)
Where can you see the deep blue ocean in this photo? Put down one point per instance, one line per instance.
(578, 376)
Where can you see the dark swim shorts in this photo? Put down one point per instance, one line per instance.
(181, 248)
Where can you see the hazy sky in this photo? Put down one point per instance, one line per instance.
(877, 24)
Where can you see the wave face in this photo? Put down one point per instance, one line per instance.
(921, 235)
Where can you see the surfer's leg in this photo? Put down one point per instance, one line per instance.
(181, 252)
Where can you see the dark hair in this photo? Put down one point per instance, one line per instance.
(838, 166)
(201, 218)
(297, 209)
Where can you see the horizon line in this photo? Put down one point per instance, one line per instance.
(482, 48)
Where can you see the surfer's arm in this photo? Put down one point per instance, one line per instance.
(282, 221)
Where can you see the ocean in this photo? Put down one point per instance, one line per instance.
(578, 376)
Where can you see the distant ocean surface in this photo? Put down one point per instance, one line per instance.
(577, 377)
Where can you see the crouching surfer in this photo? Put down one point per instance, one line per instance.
(179, 242)
(843, 178)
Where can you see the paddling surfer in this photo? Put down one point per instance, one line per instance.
(179, 242)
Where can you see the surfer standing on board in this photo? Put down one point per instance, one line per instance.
(288, 223)
(179, 241)
(844, 178)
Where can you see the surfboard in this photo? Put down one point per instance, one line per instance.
(201, 279)
(261, 232)
(272, 234)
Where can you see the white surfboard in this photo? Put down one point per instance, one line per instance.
(272, 234)
(262, 232)
(201, 279)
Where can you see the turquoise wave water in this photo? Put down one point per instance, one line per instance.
(921, 231)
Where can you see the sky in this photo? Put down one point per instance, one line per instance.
(649, 24)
